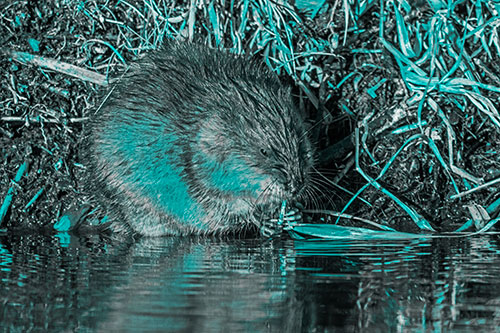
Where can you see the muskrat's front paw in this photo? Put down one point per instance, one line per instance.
(270, 228)
(292, 218)
(273, 227)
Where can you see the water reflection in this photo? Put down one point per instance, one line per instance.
(196, 284)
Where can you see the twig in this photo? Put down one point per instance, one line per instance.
(480, 187)
(58, 66)
(37, 119)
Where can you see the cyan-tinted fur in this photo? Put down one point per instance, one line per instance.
(194, 140)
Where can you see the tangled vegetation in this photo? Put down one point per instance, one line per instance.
(401, 96)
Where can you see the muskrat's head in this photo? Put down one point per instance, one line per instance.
(254, 148)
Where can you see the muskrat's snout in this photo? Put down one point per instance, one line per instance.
(296, 187)
(292, 189)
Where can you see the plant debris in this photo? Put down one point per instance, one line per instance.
(401, 96)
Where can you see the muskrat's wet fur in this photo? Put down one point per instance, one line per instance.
(194, 140)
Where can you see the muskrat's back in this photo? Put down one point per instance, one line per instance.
(194, 140)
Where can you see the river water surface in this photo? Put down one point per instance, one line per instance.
(219, 285)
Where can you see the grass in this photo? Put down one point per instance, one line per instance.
(412, 89)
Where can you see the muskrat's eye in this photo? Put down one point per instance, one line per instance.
(263, 152)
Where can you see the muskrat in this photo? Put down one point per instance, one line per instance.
(194, 140)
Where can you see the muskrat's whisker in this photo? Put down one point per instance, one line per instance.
(315, 189)
(323, 187)
(321, 174)
(311, 191)
(322, 183)
(314, 199)
(332, 183)
(311, 198)
(317, 186)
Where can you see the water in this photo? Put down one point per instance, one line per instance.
(216, 285)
